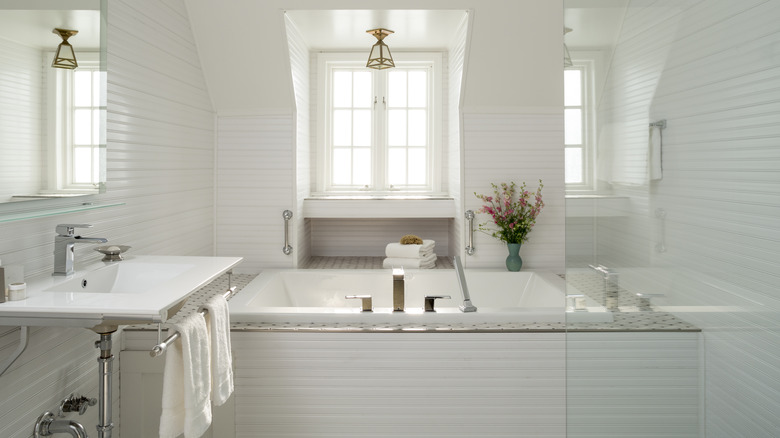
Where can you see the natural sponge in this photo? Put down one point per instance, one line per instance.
(411, 239)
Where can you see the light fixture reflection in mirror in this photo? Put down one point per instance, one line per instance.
(65, 57)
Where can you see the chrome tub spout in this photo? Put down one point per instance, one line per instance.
(398, 289)
(48, 426)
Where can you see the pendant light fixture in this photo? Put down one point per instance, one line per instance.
(566, 57)
(65, 56)
(380, 57)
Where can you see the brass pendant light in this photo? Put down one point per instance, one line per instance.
(65, 56)
(380, 57)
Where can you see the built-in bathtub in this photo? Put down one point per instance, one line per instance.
(318, 296)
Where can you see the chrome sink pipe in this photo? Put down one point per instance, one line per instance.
(464, 289)
(64, 242)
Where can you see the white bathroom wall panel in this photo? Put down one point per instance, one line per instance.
(714, 81)
(415, 385)
(639, 385)
(517, 147)
(457, 62)
(21, 119)
(369, 237)
(301, 75)
(255, 185)
(159, 163)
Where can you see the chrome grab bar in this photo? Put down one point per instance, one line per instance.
(470, 217)
(160, 348)
(287, 215)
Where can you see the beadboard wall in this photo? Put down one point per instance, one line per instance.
(711, 73)
(160, 164)
(21, 120)
(517, 146)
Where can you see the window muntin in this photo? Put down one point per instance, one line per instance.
(379, 132)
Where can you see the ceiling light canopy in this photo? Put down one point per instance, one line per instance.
(380, 57)
(65, 56)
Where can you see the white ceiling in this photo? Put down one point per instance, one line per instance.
(594, 23)
(346, 29)
(34, 27)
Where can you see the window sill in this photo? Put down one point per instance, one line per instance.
(379, 207)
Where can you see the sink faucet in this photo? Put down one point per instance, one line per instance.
(398, 289)
(63, 246)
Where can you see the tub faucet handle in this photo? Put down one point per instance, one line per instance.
(367, 305)
(430, 299)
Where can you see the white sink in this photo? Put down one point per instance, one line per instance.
(139, 289)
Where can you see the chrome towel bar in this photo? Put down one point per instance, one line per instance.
(160, 348)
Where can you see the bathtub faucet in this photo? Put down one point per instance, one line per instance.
(464, 289)
(398, 289)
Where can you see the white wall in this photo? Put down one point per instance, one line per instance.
(160, 163)
(712, 72)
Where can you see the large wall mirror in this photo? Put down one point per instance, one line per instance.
(52, 120)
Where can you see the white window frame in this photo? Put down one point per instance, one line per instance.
(587, 66)
(326, 62)
(59, 133)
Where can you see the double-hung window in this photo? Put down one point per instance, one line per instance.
(578, 126)
(379, 130)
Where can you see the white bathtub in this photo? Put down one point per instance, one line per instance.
(317, 296)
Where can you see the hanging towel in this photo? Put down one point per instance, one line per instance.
(218, 323)
(411, 263)
(186, 407)
(655, 168)
(410, 251)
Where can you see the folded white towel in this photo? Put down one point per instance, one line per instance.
(410, 251)
(186, 407)
(218, 323)
(411, 263)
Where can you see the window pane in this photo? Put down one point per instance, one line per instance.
(342, 166)
(342, 88)
(96, 76)
(361, 167)
(342, 128)
(417, 166)
(418, 134)
(361, 128)
(396, 166)
(396, 88)
(362, 95)
(573, 165)
(82, 165)
(418, 84)
(95, 126)
(572, 87)
(82, 88)
(396, 127)
(95, 167)
(82, 126)
(572, 122)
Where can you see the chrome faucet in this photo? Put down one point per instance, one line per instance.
(464, 289)
(64, 242)
(398, 289)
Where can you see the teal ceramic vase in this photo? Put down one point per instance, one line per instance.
(513, 260)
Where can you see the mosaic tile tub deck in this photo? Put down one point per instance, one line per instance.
(624, 321)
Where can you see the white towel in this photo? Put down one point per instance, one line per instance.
(411, 263)
(654, 148)
(186, 407)
(218, 323)
(410, 251)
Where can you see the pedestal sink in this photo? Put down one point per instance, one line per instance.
(138, 289)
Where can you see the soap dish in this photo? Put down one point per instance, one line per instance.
(112, 253)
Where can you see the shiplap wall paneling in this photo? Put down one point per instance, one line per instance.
(21, 120)
(159, 163)
(255, 182)
(517, 147)
(415, 385)
(457, 62)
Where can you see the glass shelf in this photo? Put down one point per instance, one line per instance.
(33, 214)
